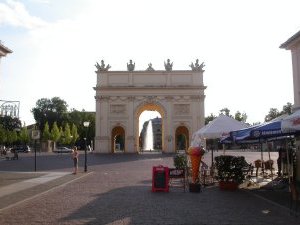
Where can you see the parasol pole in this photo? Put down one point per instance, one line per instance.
(288, 160)
(262, 157)
(269, 149)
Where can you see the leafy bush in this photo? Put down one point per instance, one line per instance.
(180, 161)
(230, 168)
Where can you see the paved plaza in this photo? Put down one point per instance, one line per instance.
(117, 190)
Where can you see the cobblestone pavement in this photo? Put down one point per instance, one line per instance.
(118, 191)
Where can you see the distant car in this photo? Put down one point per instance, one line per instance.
(62, 150)
(24, 148)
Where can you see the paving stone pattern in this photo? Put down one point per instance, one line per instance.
(118, 191)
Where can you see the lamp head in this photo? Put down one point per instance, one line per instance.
(86, 123)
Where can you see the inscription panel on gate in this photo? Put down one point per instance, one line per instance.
(117, 108)
(181, 109)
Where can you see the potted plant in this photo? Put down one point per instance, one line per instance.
(180, 161)
(230, 171)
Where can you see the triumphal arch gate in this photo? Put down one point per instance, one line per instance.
(121, 97)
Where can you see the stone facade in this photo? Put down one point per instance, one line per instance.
(293, 44)
(121, 97)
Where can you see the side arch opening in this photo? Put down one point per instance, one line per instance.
(118, 139)
(181, 138)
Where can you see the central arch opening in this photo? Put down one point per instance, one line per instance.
(150, 131)
(150, 128)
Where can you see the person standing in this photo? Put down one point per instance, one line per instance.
(280, 158)
(75, 156)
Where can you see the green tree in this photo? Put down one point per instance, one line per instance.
(55, 133)
(67, 134)
(46, 132)
(50, 110)
(287, 109)
(273, 113)
(24, 135)
(209, 118)
(12, 137)
(226, 112)
(3, 135)
(62, 136)
(9, 123)
(240, 117)
(74, 134)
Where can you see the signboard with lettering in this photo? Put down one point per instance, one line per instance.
(35, 135)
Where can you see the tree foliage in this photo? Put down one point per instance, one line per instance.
(24, 135)
(3, 135)
(209, 118)
(9, 123)
(55, 132)
(74, 134)
(12, 137)
(274, 113)
(67, 134)
(240, 116)
(49, 110)
(225, 111)
(46, 132)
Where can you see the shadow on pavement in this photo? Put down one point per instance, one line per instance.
(138, 205)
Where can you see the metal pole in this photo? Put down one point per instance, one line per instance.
(35, 155)
(85, 157)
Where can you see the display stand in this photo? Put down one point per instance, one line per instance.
(160, 179)
(179, 175)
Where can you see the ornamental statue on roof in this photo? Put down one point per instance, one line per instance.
(102, 67)
(168, 65)
(150, 68)
(130, 66)
(197, 67)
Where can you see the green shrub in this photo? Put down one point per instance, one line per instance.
(180, 161)
(230, 168)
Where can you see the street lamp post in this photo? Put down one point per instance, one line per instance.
(35, 135)
(86, 125)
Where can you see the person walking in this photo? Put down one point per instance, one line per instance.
(75, 155)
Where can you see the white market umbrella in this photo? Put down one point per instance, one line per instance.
(219, 127)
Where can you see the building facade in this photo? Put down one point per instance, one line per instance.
(121, 97)
(293, 44)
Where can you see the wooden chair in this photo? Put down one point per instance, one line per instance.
(258, 165)
(268, 165)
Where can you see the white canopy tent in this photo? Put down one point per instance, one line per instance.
(219, 127)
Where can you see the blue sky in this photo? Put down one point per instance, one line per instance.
(56, 44)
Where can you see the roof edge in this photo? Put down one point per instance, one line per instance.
(287, 44)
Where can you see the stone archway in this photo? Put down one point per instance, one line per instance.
(181, 138)
(121, 97)
(149, 106)
(118, 139)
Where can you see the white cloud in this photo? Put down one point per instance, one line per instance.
(14, 13)
(41, 1)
